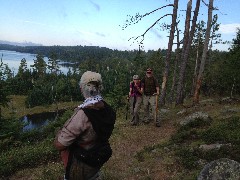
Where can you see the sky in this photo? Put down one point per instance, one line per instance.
(101, 22)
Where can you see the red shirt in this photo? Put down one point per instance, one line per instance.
(135, 87)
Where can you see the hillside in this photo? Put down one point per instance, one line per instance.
(148, 152)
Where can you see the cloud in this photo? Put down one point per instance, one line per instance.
(95, 5)
(100, 34)
(33, 22)
(156, 32)
(229, 28)
(87, 33)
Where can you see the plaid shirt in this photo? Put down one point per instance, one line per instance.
(150, 84)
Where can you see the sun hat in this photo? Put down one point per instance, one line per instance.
(135, 77)
(90, 76)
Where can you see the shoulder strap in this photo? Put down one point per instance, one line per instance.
(132, 84)
(154, 80)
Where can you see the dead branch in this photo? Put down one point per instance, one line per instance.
(135, 19)
(214, 8)
(141, 42)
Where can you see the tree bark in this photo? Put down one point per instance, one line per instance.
(204, 55)
(196, 69)
(168, 56)
(185, 53)
(179, 95)
(177, 57)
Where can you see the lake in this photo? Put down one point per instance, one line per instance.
(13, 59)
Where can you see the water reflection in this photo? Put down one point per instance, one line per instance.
(37, 121)
(13, 60)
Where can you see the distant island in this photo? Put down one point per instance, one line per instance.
(20, 43)
(76, 53)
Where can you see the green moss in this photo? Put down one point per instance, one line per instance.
(225, 131)
(188, 157)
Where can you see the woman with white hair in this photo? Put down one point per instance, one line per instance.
(83, 140)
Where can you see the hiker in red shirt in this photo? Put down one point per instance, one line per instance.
(135, 94)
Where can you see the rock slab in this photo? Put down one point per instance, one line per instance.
(221, 169)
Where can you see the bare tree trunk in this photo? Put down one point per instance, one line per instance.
(196, 69)
(171, 96)
(234, 80)
(185, 52)
(204, 55)
(179, 95)
(168, 56)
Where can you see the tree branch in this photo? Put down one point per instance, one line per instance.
(138, 17)
(141, 42)
(214, 8)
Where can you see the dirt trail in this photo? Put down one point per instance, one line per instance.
(135, 138)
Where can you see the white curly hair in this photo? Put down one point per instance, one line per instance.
(91, 84)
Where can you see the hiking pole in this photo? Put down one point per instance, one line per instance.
(156, 106)
(127, 107)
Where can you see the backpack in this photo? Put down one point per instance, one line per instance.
(103, 123)
(94, 157)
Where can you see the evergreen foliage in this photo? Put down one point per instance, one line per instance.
(46, 84)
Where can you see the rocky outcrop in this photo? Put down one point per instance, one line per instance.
(221, 169)
(194, 116)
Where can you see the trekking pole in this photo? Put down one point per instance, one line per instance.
(127, 107)
(156, 106)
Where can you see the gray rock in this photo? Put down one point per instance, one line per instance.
(221, 169)
(182, 112)
(207, 101)
(226, 99)
(164, 110)
(230, 110)
(208, 147)
(194, 116)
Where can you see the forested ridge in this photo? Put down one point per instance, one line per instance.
(74, 53)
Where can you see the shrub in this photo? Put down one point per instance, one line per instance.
(225, 131)
(35, 147)
(26, 156)
(188, 157)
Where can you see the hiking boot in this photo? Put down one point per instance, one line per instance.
(146, 122)
(134, 124)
